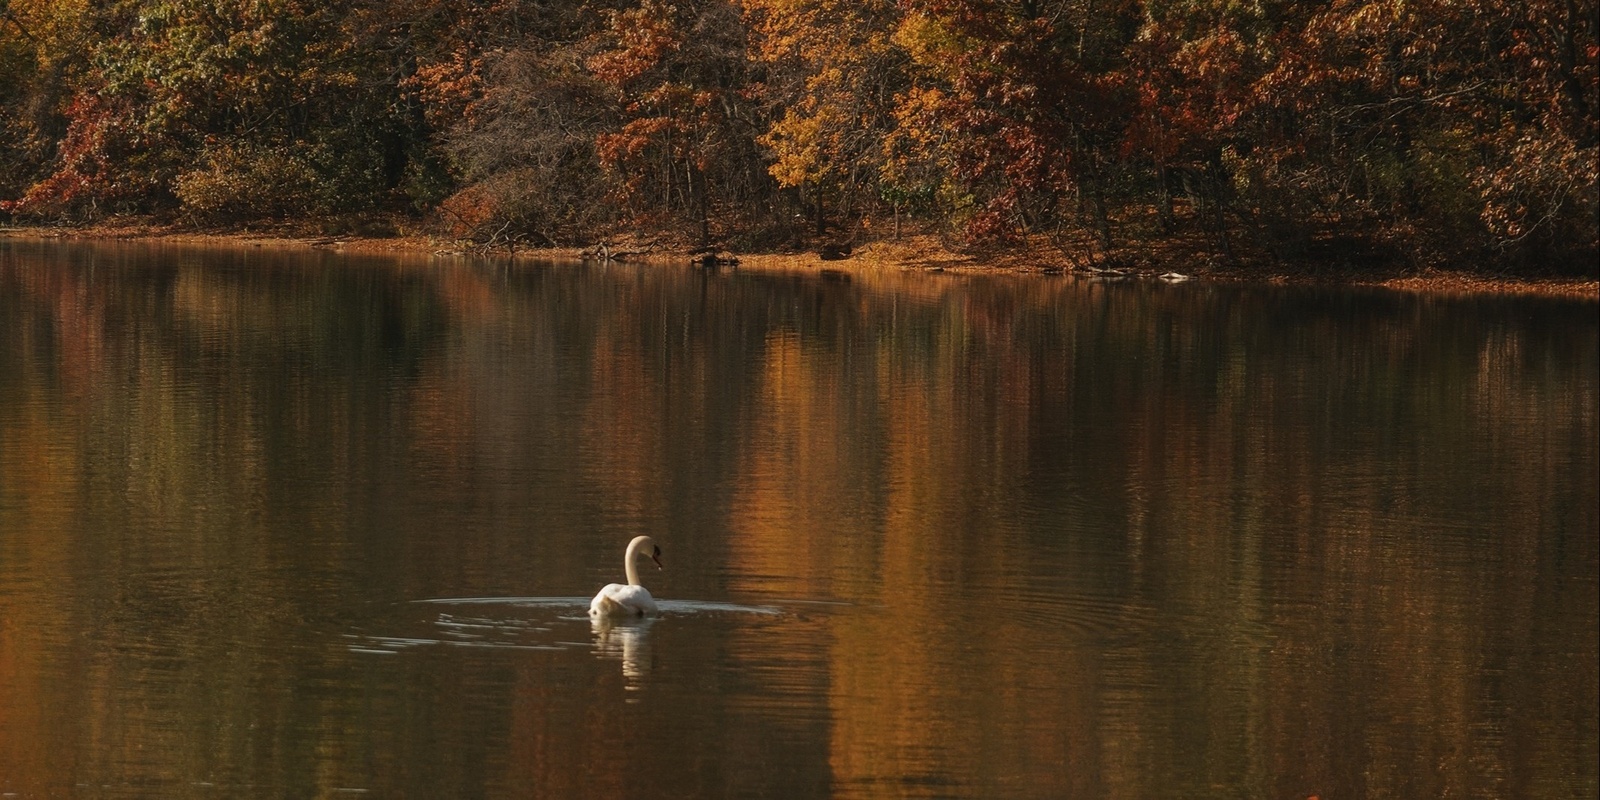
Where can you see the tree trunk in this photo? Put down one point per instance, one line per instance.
(821, 221)
(1164, 200)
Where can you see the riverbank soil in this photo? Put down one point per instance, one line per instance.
(1174, 259)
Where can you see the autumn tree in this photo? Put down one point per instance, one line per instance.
(515, 114)
(833, 77)
(1338, 130)
(1026, 99)
(1192, 75)
(41, 49)
(262, 109)
(1462, 129)
(686, 139)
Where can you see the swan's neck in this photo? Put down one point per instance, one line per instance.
(627, 562)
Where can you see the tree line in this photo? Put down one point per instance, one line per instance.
(1419, 130)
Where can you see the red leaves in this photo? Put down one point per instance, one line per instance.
(87, 174)
(468, 212)
(636, 137)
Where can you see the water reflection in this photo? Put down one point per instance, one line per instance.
(628, 641)
(1030, 538)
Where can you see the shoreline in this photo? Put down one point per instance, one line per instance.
(912, 253)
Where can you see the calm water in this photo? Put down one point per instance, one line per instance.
(300, 525)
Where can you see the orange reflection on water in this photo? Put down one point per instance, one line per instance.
(1042, 539)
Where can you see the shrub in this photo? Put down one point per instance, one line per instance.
(243, 181)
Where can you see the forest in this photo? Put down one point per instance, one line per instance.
(1334, 132)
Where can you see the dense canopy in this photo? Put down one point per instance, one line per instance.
(1397, 129)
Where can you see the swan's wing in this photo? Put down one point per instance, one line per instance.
(605, 604)
(619, 600)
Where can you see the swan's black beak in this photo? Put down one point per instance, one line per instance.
(655, 555)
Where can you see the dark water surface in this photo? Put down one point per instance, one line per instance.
(299, 525)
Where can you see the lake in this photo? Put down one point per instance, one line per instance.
(282, 523)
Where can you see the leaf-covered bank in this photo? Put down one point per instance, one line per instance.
(919, 253)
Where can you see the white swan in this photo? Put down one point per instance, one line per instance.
(633, 600)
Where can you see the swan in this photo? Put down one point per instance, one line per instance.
(633, 600)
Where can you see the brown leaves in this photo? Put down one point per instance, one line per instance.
(450, 90)
(641, 38)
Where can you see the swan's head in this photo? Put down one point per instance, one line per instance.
(646, 545)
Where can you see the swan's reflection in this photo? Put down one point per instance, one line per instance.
(626, 639)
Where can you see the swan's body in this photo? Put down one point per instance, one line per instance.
(617, 600)
(631, 600)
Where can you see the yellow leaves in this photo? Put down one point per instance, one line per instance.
(821, 33)
(835, 70)
(795, 144)
(918, 107)
(50, 28)
(930, 44)
(781, 28)
(809, 144)
(831, 51)
(827, 78)
(43, 18)
(917, 138)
